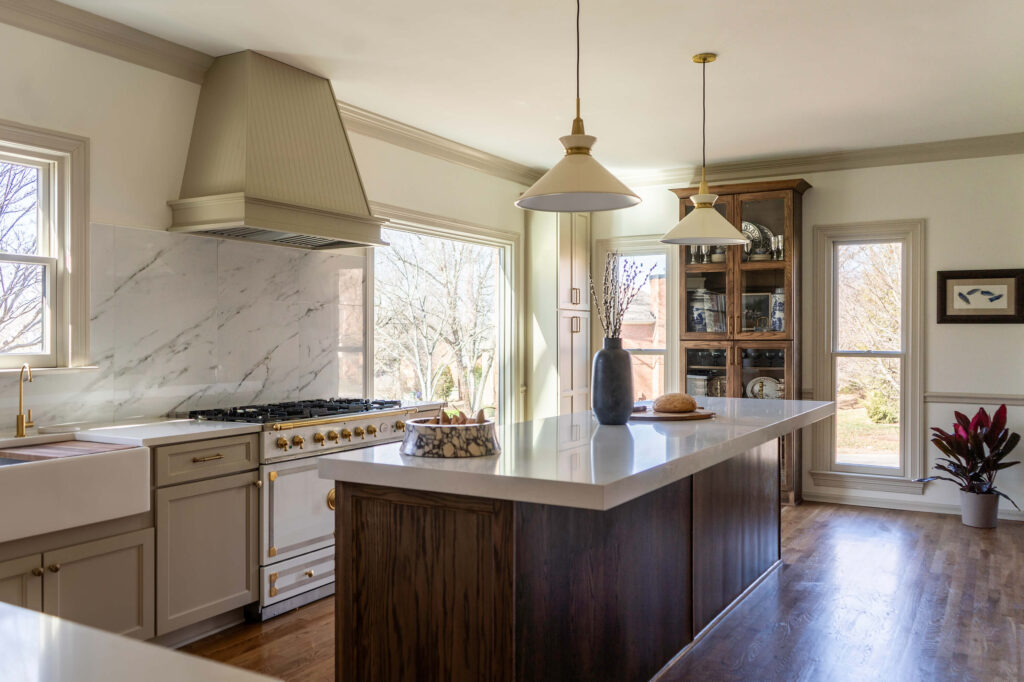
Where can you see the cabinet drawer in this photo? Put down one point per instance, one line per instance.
(204, 459)
(288, 578)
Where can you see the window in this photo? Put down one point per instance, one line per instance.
(647, 327)
(868, 335)
(443, 326)
(43, 269)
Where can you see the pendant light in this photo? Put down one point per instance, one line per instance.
(577, 183)
(704, 225)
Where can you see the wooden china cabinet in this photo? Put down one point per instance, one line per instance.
(740, 325)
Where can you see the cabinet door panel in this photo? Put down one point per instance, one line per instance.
(565, 271)
(581, 260)
(18, 585)
(207, 549)
(581, 356)
(107, 584)
(565, 347)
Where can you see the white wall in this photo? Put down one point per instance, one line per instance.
(182, 321)
(974, 218)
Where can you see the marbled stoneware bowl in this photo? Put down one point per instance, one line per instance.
(449, 440)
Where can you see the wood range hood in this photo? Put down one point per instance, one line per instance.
(270, 161)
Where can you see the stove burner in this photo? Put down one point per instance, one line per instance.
(293, 411)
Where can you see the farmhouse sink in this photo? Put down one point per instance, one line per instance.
(52, 484)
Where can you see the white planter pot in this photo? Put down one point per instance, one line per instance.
(979, 511)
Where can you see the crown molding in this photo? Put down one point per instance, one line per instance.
(924, 152)
(367, 123)
(93, 32)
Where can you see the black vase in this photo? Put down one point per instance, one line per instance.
(612, 384)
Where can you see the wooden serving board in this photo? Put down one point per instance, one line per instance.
(69, 448)
(649, 416)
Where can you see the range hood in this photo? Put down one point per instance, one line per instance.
(270, 161)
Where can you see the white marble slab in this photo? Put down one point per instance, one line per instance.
(572, 461)
(42, 648)
(165, 432)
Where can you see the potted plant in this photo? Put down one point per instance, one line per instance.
(974, 453)
(611, 384)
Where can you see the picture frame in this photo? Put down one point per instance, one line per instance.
(980, 296)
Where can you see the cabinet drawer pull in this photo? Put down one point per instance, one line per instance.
(208, 458)
(258, 483)
(37, 571)
(309, 573)
(54, 568)
(575, 328)
(574, 296)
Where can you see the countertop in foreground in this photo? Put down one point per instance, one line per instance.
(572, 461)
(42, 648)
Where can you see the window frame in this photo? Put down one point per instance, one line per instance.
(825, 471)
(64, 160)
(511, 340)
(648, 245)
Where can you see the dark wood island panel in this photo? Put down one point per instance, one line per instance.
(437, 586)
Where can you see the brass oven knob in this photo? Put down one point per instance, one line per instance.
(332, 499)
(359, 431)
(310, 573)
(371, 430)
(399, 425)
(332, 435)
(298, 441)
(282, 443)
(346, 434)
(318, 438)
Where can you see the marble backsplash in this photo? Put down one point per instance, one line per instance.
(181, 322)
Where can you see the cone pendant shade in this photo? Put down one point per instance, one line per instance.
(577, 183)
(704, 225)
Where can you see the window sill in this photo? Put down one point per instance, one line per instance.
(889, 484)
(51, 370)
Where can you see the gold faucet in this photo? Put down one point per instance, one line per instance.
(21, 421)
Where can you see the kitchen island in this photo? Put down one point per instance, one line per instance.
(581, 552)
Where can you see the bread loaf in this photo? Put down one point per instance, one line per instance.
(675, 402)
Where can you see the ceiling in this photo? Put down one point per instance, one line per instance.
(793, 77)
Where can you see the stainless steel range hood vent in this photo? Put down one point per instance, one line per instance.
(270, 161)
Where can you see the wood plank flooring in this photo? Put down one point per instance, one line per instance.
(865, 594)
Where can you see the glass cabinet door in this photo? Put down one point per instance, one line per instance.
(764, 371)
(764, 301)
(707, 285)
(706, 371)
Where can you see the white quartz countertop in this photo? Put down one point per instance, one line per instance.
(573, 461)
(162, 432)
(41, 648)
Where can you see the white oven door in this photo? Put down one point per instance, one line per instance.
(295, 514)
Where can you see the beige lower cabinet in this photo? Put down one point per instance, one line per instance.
(21, 582)
(106, 583)
(207, 544)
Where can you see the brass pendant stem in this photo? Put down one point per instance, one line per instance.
(577, 123)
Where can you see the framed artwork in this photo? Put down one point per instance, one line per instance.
(981, 296)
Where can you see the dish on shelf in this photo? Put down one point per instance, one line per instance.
(760, 237)
(764, 387)
(717, 387)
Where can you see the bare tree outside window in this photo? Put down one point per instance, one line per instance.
(22, 284)
(868, 290)
(435, 321)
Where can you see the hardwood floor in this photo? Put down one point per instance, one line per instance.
(865, 594)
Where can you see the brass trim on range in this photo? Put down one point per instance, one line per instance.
(272, 476)
(332, 500)
(273, 585)
(272, 551)
(337, 420)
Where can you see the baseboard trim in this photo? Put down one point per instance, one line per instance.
(903, 505)
(717, 619)
(200, 630)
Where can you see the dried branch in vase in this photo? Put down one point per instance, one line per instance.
(619, 287)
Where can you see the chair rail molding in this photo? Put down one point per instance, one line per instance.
(77, 27)
(1009, 399)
